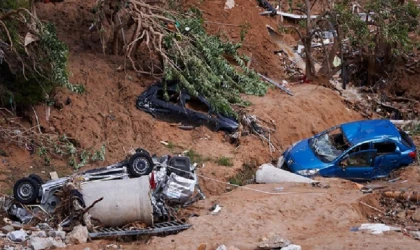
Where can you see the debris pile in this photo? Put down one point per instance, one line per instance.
(262, 129)
(70, 210)
(399, 208)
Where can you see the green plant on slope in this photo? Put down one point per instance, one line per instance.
(32, 59)
(201, 63)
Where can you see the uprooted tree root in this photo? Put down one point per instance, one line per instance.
(187, 55)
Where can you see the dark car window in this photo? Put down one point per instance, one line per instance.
(173, 96)
(197, 105)
(364, 146)
(405, 139)
(385, 147)
(360, 159)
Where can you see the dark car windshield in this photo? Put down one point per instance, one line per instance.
(329, 145)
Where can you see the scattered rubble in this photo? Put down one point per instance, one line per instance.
(17, 236)
(86, 203)
(79, 235)
(38, 243)
(276, 242)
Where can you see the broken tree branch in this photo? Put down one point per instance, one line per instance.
(278, 85)
(91, 206)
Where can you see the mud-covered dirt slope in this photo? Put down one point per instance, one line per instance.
(106, 113)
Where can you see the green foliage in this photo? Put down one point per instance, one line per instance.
(170, 145)
(392, 21)
(243, 176)
(66, 147)
(30, 73)
(3, 153)
(99, 155)
(244, 30)
(416, 130)
(43, 153)
(225, 161)
(14, 4)
(198, 63)
(196, 157)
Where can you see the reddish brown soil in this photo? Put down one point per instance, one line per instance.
(315, 218)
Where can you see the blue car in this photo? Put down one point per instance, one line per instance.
(361, 150)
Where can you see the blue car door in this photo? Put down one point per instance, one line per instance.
(357, 166)
(387, 158)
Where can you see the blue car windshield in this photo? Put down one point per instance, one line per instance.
(329, 145)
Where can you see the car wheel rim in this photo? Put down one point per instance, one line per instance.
(25, 190)
(140, 165)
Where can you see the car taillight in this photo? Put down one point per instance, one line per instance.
(152, 181)
(413, 155)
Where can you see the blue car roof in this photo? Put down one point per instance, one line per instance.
(369, 130)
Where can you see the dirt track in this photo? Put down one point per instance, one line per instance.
(315, 218)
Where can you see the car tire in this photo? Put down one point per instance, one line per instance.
(37, 178)
(142, 150)
(140, 164)
(26, 190)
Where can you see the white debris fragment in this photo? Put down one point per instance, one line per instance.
(39, 243)
(229, 4)
(377, 228)
(17, 236)
(78, 235)
(292, 247)
(216, 209)
(221, 247)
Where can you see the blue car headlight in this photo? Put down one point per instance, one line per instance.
(308, 172)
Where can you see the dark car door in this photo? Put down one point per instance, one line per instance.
(387, 158)
(357, 165)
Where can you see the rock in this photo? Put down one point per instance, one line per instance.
(415, 234)
(292, 247)
(401, 215)
(221, 247)
(416, 216)
(17, 236)
(78, 235)
(38, 243)
(57, 234)
(44, 226)
(58, 243)
(273, 241)
(7, 229)
(229, 4)
(41, 234)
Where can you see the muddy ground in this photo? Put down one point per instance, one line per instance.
(313, 217)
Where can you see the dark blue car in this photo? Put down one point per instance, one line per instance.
(361, 150)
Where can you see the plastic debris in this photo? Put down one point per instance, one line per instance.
(378, 228)
(215, 209)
